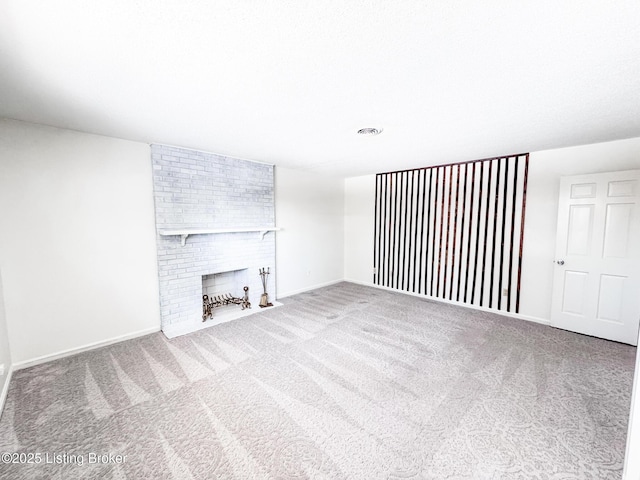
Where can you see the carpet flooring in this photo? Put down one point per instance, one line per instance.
(344, 382)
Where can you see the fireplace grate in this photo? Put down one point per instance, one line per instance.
(213, 302)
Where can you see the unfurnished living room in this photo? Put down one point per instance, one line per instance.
(339, 240)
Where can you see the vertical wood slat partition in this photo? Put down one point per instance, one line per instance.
(453, 231)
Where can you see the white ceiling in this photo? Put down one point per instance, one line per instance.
(290, 82)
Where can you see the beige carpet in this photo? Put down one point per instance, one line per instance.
(345, 382)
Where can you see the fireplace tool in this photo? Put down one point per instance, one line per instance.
(264, 298)
(207, 305)
(245, 300)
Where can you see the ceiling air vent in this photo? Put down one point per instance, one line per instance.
(370, 131)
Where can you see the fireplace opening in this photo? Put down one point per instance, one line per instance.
(224, 292)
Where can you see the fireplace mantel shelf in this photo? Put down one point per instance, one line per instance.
(184, 233)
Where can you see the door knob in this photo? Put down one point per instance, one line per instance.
(560, 262)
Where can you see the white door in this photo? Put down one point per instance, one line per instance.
(596, 286)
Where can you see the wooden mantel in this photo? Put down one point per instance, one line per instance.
(184, 233)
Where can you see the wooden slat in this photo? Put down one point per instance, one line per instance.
(446, 250)
(442, 202)
(387, 232)
(423, 176)
(433, 234)
(486, 233)
(466, 280)
(524, 205)
(455, 230)
(376, 232)
(415, 229)
(393, 231)
(513, 229)
(504, 220)
(405, 234)
(494, 233)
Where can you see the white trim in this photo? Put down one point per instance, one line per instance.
(519, 316)
(5, 388)
(632, 459)
(84, 348)
(313, 287)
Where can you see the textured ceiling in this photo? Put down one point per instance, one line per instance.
(290, 82)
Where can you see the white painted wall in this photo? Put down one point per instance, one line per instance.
(359, 214)
(309, 248)
(5, 352)
(77, 239)
(545, 170)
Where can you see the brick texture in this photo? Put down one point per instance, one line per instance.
(196, 190)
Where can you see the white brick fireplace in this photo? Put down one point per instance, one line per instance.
(214, 214)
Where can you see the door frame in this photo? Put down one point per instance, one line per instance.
(557, 318)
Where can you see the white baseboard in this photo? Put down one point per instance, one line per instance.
(519, 316)
(83, 348)
(313, 287)
(5, 389)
